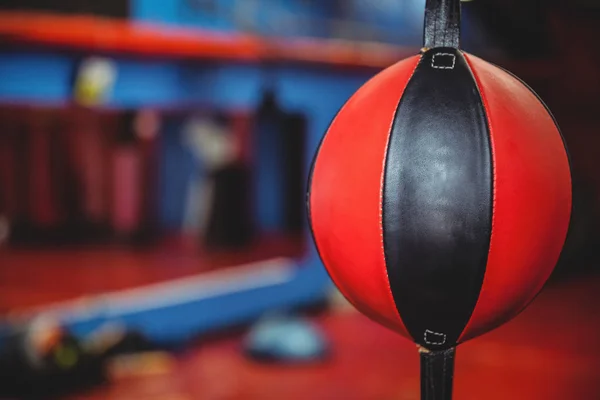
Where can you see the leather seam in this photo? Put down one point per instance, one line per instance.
(539, 99)
(381, 190)
(437, 343)
(442, 67)
(494, 186)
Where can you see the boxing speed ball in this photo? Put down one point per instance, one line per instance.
(440, 196)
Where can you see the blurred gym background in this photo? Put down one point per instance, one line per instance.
(153, 165)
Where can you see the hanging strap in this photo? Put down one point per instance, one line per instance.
(442, 24)
(437, 374)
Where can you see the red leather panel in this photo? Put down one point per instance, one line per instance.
(532, 198)
(346, 194)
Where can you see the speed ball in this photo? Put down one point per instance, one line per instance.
(440, 196)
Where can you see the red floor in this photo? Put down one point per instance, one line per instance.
(550, 352)
(35, 278)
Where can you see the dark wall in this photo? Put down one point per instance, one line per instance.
(568, 79)
(107, 8)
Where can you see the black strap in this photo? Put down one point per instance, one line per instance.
(442, 24)
(437, 374)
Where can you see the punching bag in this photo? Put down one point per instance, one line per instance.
(440, 197)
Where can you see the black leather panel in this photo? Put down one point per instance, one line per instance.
(442, 24)
(437, 200)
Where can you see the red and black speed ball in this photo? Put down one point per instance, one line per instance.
(440, 197)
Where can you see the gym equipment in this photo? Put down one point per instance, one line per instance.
(44, 360)
(285, 339)
(440, 197)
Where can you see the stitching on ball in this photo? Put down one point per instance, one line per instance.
(437, 335)
(381, 184)
(488, 118)
(441, 66)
